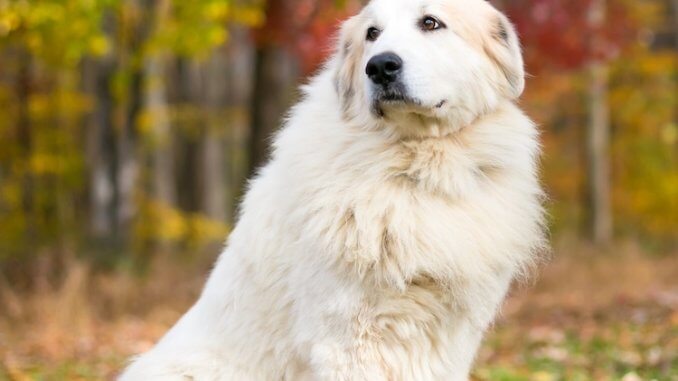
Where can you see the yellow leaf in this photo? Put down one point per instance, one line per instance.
(217, 36)
(98, 45)
(216, 11)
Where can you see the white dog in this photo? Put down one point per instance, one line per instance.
(401, 201)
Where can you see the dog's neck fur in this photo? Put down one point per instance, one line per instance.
(454, 161)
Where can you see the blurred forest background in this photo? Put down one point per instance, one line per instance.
(128, 129)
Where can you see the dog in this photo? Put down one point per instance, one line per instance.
(401, 201)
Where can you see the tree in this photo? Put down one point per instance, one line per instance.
(575, 36)
(598, 151)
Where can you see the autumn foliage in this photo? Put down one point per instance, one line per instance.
(560, 33)
(306, 27)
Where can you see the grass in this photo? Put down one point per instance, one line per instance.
(602, 348)
(590, 316)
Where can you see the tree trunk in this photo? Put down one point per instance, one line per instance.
(275, 74)
(239, 89)
(598, 155)
(128, 140)
(215, 192)
(156, 104)
(101, 150)
(25, 137)
(213, 161)
(228, 91)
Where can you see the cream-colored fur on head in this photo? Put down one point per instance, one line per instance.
(377, 246)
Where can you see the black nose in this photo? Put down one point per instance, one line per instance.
(384, 68)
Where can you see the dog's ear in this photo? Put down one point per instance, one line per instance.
(347, 60)
(503, 48)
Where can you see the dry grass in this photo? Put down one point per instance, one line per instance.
(87, 326)
(591, 316)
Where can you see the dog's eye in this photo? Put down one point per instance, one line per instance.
(430, 23)
(372, 34)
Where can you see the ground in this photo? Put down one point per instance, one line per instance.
(588, 316)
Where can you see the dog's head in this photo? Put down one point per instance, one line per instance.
(427, 61)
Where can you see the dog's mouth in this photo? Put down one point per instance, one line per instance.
(396, 97)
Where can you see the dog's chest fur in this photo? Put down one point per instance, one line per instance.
(455, 209)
